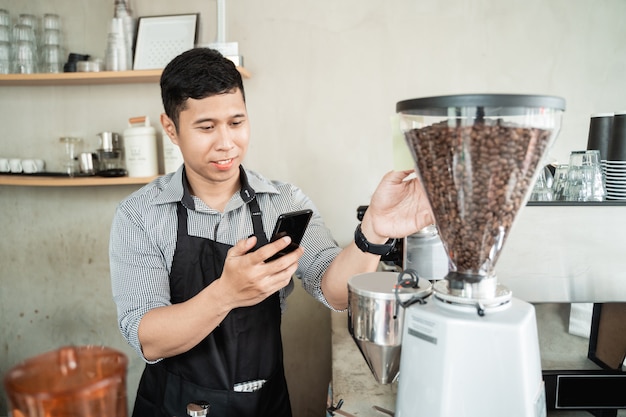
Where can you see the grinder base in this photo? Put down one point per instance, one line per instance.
(457, 363)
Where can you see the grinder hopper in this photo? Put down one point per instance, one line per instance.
(477, 156)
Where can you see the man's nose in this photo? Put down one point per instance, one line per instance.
(225, 139)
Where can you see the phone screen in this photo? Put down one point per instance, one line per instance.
(292, 224)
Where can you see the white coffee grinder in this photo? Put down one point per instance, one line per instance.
(472, 349)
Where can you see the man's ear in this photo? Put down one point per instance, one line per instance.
(169, 128)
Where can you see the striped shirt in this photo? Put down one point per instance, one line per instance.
(143, 240)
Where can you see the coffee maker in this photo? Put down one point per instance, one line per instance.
(111, 155)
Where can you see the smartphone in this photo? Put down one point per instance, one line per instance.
(291, 224)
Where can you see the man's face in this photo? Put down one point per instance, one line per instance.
(213, 136)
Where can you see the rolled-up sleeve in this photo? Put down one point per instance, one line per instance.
(139, 273)
(320, 249)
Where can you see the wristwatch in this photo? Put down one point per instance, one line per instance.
(365, 246)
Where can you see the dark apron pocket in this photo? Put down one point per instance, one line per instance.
(272, 400)
(179, 393)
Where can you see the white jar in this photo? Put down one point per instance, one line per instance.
(172, 157)
(140, 148)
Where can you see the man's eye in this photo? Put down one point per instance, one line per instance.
(206, 127)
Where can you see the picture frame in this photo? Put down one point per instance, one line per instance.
(159, 39)
(607, 339)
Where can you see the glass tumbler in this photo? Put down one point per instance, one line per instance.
(541, 190)
(51, 21)
(585, 180)
(22, 32)
(5, 57)
(5, 17)
(51, 59)
(560, 180)
(28, 20)
(51, 37)
(23, 58)
(5, 33)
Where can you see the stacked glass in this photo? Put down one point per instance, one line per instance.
(585, 181)
(51, 50)
(5, 41)
(24, 45)
(30, 44)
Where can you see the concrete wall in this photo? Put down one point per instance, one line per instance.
(326, 76)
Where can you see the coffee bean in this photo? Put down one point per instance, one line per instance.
(477, 178)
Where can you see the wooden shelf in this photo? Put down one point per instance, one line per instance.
(81, 78)
(42, 181)
(88, 78)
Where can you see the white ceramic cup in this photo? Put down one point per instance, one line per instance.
(4, 165)
(30, 166)
(41, 164)
(15, 165)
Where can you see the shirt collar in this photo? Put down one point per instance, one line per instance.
(177, 189)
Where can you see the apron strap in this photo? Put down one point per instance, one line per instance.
(249, 197)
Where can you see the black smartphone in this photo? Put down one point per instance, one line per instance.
(291, 224)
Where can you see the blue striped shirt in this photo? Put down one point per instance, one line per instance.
(143, 240)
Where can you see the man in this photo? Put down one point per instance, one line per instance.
(194, 295)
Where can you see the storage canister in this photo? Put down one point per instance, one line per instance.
(140, 148)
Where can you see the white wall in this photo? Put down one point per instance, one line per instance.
(326, 76)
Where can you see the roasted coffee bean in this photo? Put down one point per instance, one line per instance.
(477, 178)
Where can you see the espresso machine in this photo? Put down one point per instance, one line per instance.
(470, 348)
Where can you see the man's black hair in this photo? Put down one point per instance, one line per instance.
(197, 73)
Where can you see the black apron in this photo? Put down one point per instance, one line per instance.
(245, 347)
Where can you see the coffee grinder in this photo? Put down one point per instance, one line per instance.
(472, 349)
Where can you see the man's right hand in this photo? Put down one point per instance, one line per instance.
(247, 279)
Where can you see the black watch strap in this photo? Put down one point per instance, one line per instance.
(365, 246)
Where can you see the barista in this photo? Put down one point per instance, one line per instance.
(194, 299)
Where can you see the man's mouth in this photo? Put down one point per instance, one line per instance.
(223, 164)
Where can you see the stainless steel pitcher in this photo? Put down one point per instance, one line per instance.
(375, 318)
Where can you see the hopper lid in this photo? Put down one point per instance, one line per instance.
(439, 105)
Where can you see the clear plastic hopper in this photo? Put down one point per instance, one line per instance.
(477, 156)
